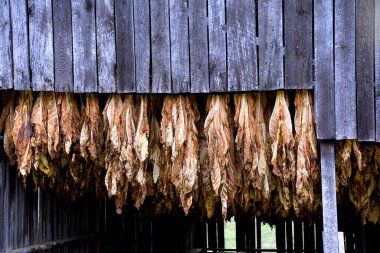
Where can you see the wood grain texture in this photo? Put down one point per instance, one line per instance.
(241, 45)
(40, 16)
(142, 45)
(125, 46)
(84, 45)
(20, 45)
(324, 97)
(271, 74)
(377, 67)
(6, 78)
(199, 74)
(106, 46)
(160, 40)
(217, 46)
(63, 46)
(329, 206)
(345, 85)
(298, 27)
(364, 70)
(179, 46)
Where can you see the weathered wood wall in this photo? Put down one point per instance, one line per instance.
(199, 46)
(32, 221)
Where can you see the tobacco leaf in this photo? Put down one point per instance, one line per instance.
(8, 115)
(22, 133)
(53, 125)
(307, 158)
(218, 130)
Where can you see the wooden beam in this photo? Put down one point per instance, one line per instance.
(280, 235)
(217, 46)
(298, 27)
(6, 80)
(40, 16)
(63, 46)
(84, 46)
(324, 69)
(289, 235)
(51, 245)
(365, 97)
(271, 74)
(345, 84)
(241, 45)
(125, 46)
(179, 46)
(161, 72)
(377, 67)
(20, 45)
(330, 220)
(298, 237)
(211, 234)
(142, 45)
(106, 47)
(199, 71)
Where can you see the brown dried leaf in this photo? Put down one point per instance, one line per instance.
(281, 132)
(53, 125)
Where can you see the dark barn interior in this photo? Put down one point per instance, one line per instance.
(327, 51)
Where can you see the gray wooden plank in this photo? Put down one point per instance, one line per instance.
(345, 85)
(364, 70)
(241, 45)
(2, 197)
(6, 79)
(20, 50)
(63, 46)
(271, 74)
(298, 27)
(199, 74)
(40, 16)
(142, 45)
(106, 47)
(84, 45)
(160, 40)
(324, 69)
(125, 49)
(377, 67)
(329, 207)
(217, 46)
(179, 46)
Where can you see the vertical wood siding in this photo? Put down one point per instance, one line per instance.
(199, 46)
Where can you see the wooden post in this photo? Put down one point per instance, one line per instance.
(280, 235)
(330, 220)
(298, 238)
(289, 235)
(258, 233)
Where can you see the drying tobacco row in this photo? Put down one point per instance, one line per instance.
(235, 152)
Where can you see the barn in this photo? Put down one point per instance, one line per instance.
(147, 125)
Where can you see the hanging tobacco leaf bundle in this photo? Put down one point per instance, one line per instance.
(116, 175)
(90, 137)
(307, 172)
(283, 158)
(6, 122)
(363, 182)
(263, 180)
(246, 146)
(180, 140)
(343, 166)
(22, 133)
(70, 119)
(218, 130)
(140, 146)
(208, 198)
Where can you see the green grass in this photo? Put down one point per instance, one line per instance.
(268, 236)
